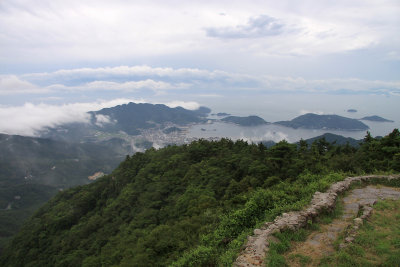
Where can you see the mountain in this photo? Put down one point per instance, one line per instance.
(245, 121)
(132, 117)
(189, 205)
(328, 122)
(329, 137)
(128, 119)
(335, 139)
(221, 114)
(375, 118)
(55, 163)
(32, 170)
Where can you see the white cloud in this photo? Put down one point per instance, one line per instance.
(191, 105)
(101, 120)
(203, 82)
(257, 27)
(11, 84)
(115, 30)
(129, 86)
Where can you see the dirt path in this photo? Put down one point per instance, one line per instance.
(321, 243)
(257, 245)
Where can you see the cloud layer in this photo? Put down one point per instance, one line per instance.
(258, 27)
(168, 32)
(143, 80)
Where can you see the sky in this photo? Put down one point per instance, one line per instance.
(60, 59)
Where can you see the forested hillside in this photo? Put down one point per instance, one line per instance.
(190, 205)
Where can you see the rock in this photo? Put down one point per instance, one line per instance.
(358, 221)
(258, 231)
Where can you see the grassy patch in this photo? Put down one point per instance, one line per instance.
(300, 259)
(377, 242)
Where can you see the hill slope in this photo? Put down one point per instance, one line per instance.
(186, 205)
(32, 170)
(334, 138)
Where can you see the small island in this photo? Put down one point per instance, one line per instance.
(245, 121)
(324, 122)
(376, 119)
(352, 110)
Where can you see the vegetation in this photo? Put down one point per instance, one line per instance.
(190, 205)
(377, 242)
(34, 169)
(280, 253)
(335, 139)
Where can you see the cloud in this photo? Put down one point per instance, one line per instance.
(120, 72)
(29, 118)
(129, 86)
(275, 136)
(189, 81)
(102, 120)
(187, 105)
(103, 31)
(11, 84)
(256, 27)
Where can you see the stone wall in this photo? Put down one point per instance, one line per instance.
(257, 245)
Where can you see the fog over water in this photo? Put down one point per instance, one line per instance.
(274, 108)
(275, 133)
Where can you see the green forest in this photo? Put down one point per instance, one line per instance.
(189, 205)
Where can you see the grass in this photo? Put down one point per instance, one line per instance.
(287, 238)
(377, 242)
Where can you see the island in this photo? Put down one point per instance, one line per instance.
(222, 114)
(324, 122)
(352, 110)
(245, 121)
(375, 118)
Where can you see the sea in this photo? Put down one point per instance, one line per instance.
(274, 108)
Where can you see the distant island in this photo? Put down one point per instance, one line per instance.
(375, 118)
(245, 121)
(352, 110)
(132, 117)
(221, 114)
(328, 122)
